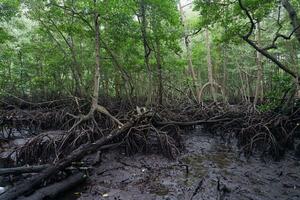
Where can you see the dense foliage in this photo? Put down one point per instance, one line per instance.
(153, 49)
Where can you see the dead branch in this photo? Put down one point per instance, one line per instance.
(53, 190)
(193, 123)
(22, 170)
(76, 155)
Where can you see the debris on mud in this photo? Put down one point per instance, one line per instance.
(47, 157)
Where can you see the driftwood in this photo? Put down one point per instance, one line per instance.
(23, 169)
(53, 190)
(36, 181)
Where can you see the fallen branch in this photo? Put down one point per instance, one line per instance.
(192, 123)
(23, 169)
(53, 190)
(197, 189)
(76, 155)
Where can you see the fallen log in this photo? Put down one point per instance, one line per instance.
(53, 190)
(22, 170)
(192, 123)
(31, 184)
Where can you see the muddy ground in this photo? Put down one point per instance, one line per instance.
(208, 169)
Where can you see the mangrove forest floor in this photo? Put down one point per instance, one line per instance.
(208, 169)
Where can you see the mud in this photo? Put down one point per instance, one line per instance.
(209, 169)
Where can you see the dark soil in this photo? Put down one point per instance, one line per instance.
(209, 166)
(208, 169)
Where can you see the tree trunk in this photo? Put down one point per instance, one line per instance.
(21, 72)
(76, 68)
(209, 65)
(147, 49)
(95, 106)
(243, 88)
(117, 86)
(75, 63)
(191, 70)
(248, 87)
(293, 17)
(159, 69)
(224, 85)
(259, 81)
(97, 59)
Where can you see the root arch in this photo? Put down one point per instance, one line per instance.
(214, 84)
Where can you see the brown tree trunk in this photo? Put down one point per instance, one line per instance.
(224, 81)
(76, 69)
(248, 87)
(97, 59)
(117, 86)
(259, 81)
(209, 65)
(76, 66)
(293, 17)
(21, 72)
(95, 106)
(159, 69)
(243, 87)
(191, 70)
(147, 49)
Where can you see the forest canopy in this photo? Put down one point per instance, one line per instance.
(238, 50)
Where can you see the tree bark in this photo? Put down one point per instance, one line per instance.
(147, 49)
(159, 69)
(293, 17)
(191, 70)
(224, 81)
(22, 170)
(243, 87)
(209, 65)
(296, 26)
(95, 96)
(259, 81)
(54, 190)
(97, 59)
(77, 71)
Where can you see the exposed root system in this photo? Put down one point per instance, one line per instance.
(149, 131)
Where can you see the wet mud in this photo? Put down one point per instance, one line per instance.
(208, 169)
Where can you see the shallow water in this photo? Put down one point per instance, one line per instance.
(208, 169)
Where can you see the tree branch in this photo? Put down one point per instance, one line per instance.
(250, 18)
(293, 17)
(262, 50)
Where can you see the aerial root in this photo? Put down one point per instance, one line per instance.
(76, 155)
(152, 132)
(90, 115)
(149, 139)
